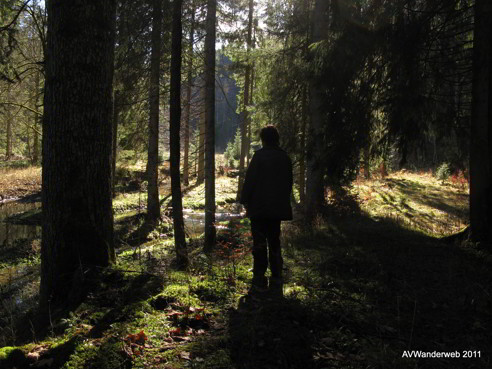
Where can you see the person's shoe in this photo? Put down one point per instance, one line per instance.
(276, 286)
(259, 284)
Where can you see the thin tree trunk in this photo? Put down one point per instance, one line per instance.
(77, 231)
(302, 148)
(186, 165)
(315, 195)
(480, 149)
(8, 151)
(367, 158)
(195, 156)
(28, 143)
(35, 144)
(174, 139)
(116, 112)
(153, 206)
(245, 115)
(201, 141)
(304, 112)
(210, 126)
(248, 136)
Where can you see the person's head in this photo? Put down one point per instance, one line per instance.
(269, 136)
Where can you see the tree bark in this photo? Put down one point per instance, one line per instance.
(480, 149)
(302, 148)
(35, 144)
(153, 206)
(248, 136)
(8, 150)
(174, 137)
(315, 195)
(116, 112)
(367, 161)
(186, 159)
(77, 228)
(210, 126)
(245, 115)
(304, 111)
(201, 141)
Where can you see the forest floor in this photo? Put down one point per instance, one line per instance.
(20, 182)
(367, 284)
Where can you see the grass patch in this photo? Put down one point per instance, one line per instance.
(225, 193)
(415, 201)
(19, 182)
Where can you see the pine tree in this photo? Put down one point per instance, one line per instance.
(77, 229)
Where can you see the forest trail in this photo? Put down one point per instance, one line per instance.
(362, 288)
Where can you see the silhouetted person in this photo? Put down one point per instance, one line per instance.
(266, 196)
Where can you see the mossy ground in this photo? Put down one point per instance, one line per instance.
(363, 285)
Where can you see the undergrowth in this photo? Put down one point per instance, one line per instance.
(361, 288)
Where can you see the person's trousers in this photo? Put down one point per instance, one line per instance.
(266, 248)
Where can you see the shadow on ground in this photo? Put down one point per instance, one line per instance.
(372, 290)
(431, 196)
(113, 298)
(270, 333)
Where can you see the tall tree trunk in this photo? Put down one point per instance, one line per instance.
(304, 110)
(367, 159)
(201, 140)
(248, 136)
(8, 151)
(174, 137)
(210, 126)
(153, 206)
(186, 159)
(480, 150)
(302, 147)
(315, 195)
(116, 113)
(37, 117)
(28, 143)
(77, 230)
(245, 115)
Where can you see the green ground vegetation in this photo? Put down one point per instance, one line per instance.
(369, 281)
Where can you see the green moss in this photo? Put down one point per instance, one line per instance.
(211, 290)
(6, 351)
(85, 352)
(110, 355)
(12, 357)
(180, 294)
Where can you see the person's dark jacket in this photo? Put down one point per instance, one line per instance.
(268, 185)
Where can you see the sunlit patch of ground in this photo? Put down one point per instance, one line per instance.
(225, 193)
(416, 201)
(16, 183)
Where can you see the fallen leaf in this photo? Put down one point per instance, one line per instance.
(141, 337)
(168, 346)
(33, 356)
(175, 331)
(184, 355)
(181, 338)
